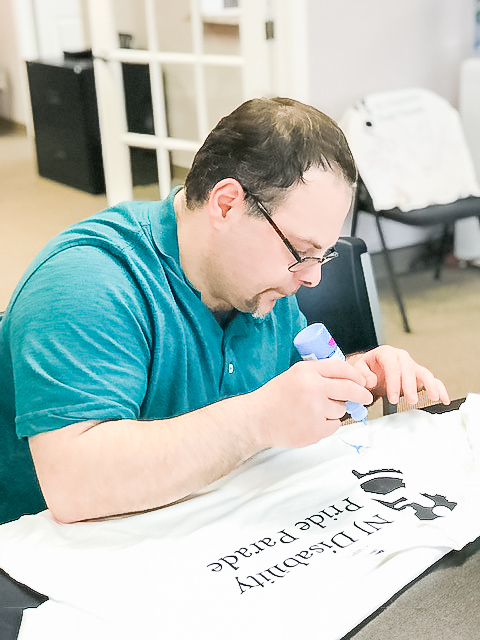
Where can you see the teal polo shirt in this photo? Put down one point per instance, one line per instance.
(104, 325)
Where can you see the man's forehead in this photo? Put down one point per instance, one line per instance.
(312, 216)
(316, 231)
(318, 187)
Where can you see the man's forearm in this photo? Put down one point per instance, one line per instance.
(97, 470)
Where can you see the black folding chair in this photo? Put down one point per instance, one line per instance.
(415, 167)
(444, 214)
(346, 301)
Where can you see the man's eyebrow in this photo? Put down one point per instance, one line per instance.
(314, 244)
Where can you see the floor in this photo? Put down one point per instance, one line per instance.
(444, 315)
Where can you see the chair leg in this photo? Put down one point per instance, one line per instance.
(393, 278)
(353, 229)
(355, 205)
(388, 407)
(442, 252)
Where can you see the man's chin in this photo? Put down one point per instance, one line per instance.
(259, 314)
(261, 305)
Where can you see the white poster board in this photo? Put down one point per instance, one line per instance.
(297, 543)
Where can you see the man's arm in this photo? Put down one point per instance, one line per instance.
(100, 469)
(95, 470)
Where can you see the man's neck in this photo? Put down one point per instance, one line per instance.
(224, 317)
(192, 236)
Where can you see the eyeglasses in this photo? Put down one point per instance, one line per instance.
(300, 263)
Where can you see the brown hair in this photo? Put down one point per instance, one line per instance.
(267, 145)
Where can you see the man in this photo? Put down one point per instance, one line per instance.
(149, 350)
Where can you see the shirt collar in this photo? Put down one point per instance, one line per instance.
(164, 229)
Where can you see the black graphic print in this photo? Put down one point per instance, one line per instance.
(386, 481)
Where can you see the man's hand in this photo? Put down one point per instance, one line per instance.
(393, 372)
(305, 403)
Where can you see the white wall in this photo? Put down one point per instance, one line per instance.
(354, 47)
(375, 45)
(13, 100)
(31, 29)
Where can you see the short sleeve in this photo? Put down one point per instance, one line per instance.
(80, 342)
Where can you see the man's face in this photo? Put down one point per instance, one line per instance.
(255, 260)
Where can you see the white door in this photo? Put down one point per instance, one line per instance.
(45, 30)
(200, 58)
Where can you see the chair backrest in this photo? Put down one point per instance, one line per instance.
(346, 299)
(410, 149)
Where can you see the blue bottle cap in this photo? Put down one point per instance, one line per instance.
(356, 410)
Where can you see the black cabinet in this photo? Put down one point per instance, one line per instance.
(65, 119)
(139, 112)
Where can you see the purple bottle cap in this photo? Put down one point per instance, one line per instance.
(315, 339)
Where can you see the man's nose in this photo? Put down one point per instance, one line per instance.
(310, 276)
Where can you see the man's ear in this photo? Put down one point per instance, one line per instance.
(225, 201)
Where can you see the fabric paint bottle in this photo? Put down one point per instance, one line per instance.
(315, 342)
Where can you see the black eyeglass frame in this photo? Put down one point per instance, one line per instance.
(299, 261)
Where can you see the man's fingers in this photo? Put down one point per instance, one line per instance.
(340, 381)
(434, 388)
(409, 374)
(337, 369)
(371, 379)
(335, 410)
(397, 373)
(444, 396)
(392, 372)
(343, 390)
